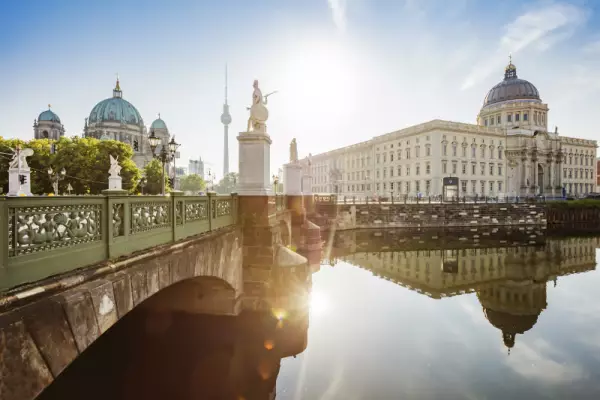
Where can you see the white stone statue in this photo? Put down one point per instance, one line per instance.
(293, 151)
(19, 160)
(258, 111)
(115, 168)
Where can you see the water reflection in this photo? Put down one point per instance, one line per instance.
(510, 279)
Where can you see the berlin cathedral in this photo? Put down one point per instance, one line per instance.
(113, 118)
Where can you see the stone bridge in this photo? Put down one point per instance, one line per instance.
(71, 267)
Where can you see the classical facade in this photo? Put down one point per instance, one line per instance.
(509, 151)
(48, 126)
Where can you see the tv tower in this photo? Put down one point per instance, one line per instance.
(225, 120)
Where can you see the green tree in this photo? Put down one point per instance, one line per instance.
(227, 184)
(192, 183)
(153, 173)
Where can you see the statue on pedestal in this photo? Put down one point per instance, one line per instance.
(293, 151)
(115, 169)
(19, 159)
(258, 111)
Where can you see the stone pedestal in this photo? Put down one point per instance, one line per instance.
(115, 183)
(15, 188)
(292, 179)
(254, 164)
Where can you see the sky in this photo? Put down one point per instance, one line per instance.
(345, 70)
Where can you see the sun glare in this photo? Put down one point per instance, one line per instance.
(319, 304)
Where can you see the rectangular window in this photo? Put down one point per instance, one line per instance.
(473, 169)
(407, 171)
(408, 154)
(454, 150)
(483, 152)
(491, 187)
(485, 122)
(492, 121)
(454, 168)
(399, 171)
(418, 186)
(428, 151)
(464, 168)
(428, 168)
(418, 170)
(391, 171)
(427, 186)
(517, 119)
(407, 187)
(391, 185)
(463, 185)
(444, 167)
(473, 152)
(499, 186)
(464, 151)
(384, 156)
(499, 170)
(508, 117)
(491, 169)
(499, 119)
(418, 151)
(384, 173)
(384, 185)
(482, 169)
(525, 116)
(444, 149)
(473, 186)
(482, 183)
(391, 157)
(377, 158)
(499, 154)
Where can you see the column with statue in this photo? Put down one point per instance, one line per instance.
(19, 173)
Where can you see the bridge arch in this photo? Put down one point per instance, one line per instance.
(203, 274)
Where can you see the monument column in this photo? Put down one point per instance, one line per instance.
(266, 262)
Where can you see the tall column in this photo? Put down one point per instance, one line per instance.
(551, 173)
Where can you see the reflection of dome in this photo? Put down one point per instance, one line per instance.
(48, 115)
(511, 88)
(510, 324)
(158, 124)
(115, 109)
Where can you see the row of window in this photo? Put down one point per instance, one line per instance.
(578, 173)
(539, 118)
(492, 168)
(583, 160)
(482, 151)
(407, 187)
(407, 153)
(385, 147)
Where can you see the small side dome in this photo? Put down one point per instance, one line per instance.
(158, 124)
(48, 115)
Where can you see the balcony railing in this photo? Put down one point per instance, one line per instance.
(45, 236)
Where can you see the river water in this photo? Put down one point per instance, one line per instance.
(392, 315)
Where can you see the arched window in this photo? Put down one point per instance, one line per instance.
(45, 134)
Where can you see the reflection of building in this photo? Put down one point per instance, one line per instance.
(48, 126)
(508, 150)
(510, 282)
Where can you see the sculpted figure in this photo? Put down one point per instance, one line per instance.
(115, 168)
(293, 151)
(258, 110)
(20, 158)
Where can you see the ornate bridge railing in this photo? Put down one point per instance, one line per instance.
(45, 236)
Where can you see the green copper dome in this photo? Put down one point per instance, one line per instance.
(115, 109)
(158, 124)
(48, 115)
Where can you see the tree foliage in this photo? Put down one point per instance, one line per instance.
(192, 183)
(153, 172)
(85, 160)
(227, 184)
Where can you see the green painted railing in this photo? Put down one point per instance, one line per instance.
(45, 236)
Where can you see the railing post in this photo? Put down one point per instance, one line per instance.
(114, 196)
(176, 197)
(211, 208)
(3, 234)
(234, 207)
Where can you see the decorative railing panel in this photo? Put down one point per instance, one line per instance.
(148, 216)
(280, 203)
(223, 207)
(35, 229)
(196, 210)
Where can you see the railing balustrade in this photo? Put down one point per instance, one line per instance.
(45, 236)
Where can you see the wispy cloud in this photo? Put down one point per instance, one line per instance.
(591, 48)
(338, 13)
(539, 29)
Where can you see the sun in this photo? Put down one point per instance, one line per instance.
(319, 304)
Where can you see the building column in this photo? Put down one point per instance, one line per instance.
(551, 180)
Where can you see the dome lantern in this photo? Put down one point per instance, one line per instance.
(117, 90)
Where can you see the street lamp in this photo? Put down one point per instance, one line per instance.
(55, 177)
(173, 146)
(211, 178)
(164, 156)
(275, 182)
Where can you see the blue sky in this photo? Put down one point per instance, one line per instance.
(346, 70)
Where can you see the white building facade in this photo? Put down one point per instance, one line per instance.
(509, 151)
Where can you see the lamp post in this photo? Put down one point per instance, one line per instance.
(211, 179)
(165, 156)
(142, 183)
(275, 182)
(55, 177)
(173, 146)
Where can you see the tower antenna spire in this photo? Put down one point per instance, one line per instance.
(225, 83)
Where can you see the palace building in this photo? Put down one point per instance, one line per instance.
(509, 151)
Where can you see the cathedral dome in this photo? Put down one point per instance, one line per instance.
(48, 115)
(511, 88)
(510, 324)
(158, 124)
(115, 109)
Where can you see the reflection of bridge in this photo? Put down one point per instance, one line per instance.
(509, 279)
